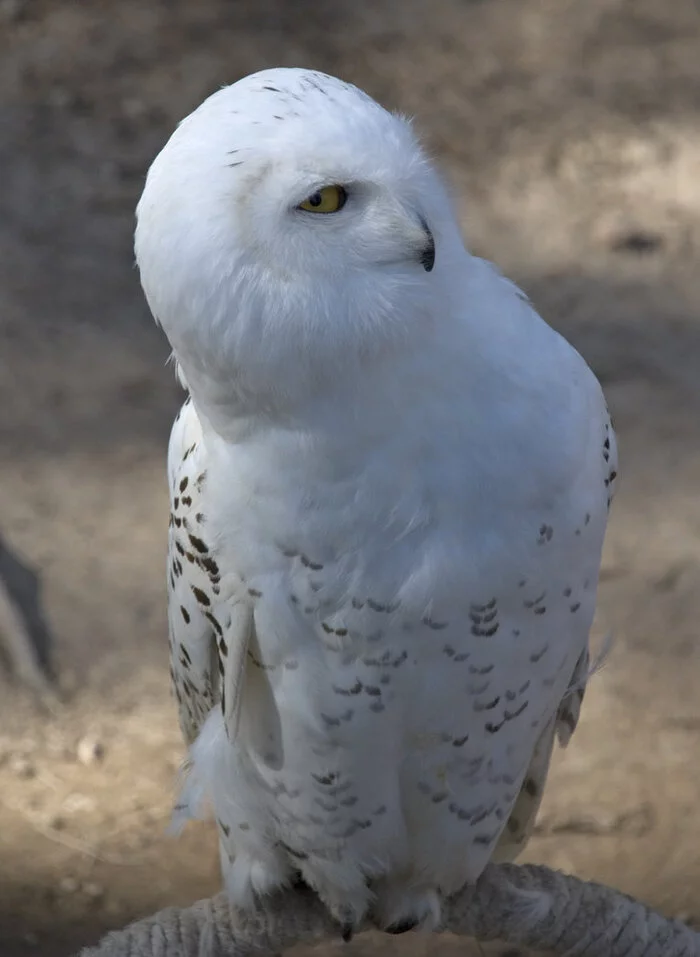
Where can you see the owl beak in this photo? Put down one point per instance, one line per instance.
(417, 241)
(427, 256)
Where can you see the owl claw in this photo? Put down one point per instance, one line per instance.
(347, 932)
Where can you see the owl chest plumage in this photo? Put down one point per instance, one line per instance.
(400, 672)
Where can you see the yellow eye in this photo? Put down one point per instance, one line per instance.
(327, 200)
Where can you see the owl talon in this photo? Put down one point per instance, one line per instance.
(347, 932)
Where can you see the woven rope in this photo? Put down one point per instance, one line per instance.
(523, 906)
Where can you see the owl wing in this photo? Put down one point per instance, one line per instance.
(562, 726)
(208, 642)
(522, 817)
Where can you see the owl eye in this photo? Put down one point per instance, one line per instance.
(330, 199)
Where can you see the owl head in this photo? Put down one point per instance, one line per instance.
(290, 230)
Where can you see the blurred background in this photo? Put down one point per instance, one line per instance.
(570, 132)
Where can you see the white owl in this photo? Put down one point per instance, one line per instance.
(389, 485)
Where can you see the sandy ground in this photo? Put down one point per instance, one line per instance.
(569, 129)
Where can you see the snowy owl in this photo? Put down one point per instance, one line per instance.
(389, 482)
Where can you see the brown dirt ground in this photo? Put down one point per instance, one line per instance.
(570, 131)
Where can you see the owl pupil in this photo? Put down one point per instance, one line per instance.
(315, 199)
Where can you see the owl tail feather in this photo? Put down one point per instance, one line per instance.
(193, 802)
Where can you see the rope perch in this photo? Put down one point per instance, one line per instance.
(524, 906)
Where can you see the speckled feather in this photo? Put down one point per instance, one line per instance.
(192, 579)
(389, 494)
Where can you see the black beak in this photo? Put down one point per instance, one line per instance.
(427, 256)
